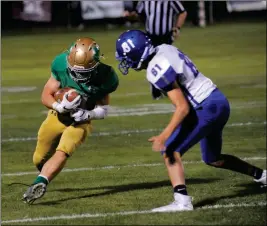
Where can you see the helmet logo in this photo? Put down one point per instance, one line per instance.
(96, 52)
(127, 46)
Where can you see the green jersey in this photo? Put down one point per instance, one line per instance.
(104, 81)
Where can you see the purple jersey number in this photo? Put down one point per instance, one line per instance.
(189, 63)
(156, 69)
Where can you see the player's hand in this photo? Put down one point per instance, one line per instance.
(175, 33)
(129, 14)
(126, 13)
(65, 105)
(70, 105)
(158, 143)
(80, 115)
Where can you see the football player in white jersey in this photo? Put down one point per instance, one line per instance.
(201, 111)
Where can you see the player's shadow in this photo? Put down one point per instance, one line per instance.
(248, 189)
(119, 189)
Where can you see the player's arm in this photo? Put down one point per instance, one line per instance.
(99, 112)
(181, 16)
(182, 108)
(102, 105)
(101, 109)
(138, 13)
(164, 77)
(47, 97)
(51, 86)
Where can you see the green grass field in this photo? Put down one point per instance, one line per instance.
(114, 178)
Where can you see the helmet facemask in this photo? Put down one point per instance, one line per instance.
(127, 61)
(83, 59)
(81, 75)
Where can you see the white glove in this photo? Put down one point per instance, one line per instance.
(65, 105)
(80, 115)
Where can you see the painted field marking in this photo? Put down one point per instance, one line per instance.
(140, 110)
(27, 89)
(125, 213)
(18, 89)
(116, 167)
(253, 86)
(126, 132)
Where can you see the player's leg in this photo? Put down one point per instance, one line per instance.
(71, 138)
(48, 138)
(211, 147)
(190, 132)
(197, 125)
(182, 201)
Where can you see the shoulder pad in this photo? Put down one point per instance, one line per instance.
(160, 72)
(60, 62)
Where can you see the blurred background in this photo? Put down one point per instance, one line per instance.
(227, 42)
(22, 15)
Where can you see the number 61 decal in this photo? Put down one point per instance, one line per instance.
(156, 69)
(127, 46)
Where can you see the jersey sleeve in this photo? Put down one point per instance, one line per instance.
(113, 82)
(109, 83)
(161, 74)
(54, 72)
(177, 6)
(140, 7)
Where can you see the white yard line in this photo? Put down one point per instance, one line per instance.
(253, 86)
(20, 101)
(131, 94)
(141, 110)
(138, 110)
(117, 167)
(18, 89)
(233, 104)
(128, 132)
(125, 213)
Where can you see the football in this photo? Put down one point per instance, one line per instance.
(70, 97)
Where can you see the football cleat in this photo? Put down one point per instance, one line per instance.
(181, 203)
(34, 192)
(263, 179)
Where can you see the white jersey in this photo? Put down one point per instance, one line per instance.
(169, 65)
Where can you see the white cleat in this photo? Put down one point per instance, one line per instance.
(263, 179)
(34, 192)
(181, 203)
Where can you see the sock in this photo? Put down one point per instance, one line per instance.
(235, 164)
(41, 179)
(181, 188)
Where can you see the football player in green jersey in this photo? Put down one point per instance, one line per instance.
(68, 123)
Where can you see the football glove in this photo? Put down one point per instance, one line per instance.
(65, 105)
(80, 115)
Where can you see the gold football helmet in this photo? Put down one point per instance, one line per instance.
(83, 58)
